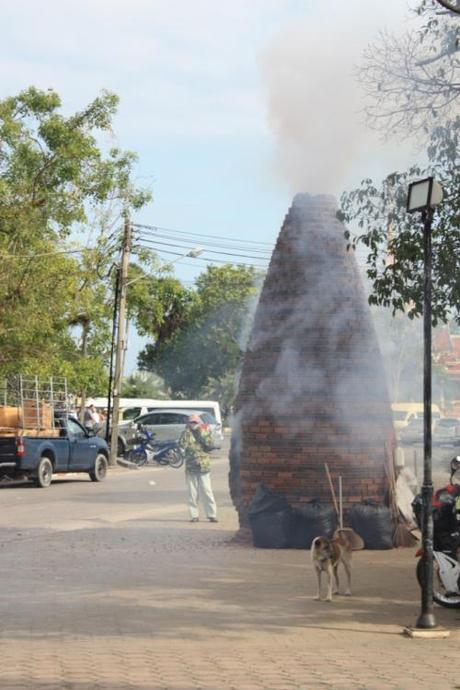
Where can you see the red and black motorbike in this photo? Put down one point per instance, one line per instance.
(446, 540)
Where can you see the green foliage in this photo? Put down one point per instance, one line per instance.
(199, 337)
(224, 390)
(54, 178)
(394, 238)
(159, 304)
(143, 384)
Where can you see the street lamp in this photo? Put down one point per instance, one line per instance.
(424, 195)
(193, 253)
(119, 329)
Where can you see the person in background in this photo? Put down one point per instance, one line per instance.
(196, 442)
(91, 420)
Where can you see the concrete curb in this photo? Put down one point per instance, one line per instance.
(124, 464)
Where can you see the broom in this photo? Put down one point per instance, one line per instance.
(354, 539)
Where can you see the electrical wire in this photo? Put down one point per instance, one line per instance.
(202, 258)
(209, 251)
(165, 236)
(198, 234)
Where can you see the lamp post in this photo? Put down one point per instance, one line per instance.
(423, 196)
(119, 348)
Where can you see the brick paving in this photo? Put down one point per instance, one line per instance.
(152, 602)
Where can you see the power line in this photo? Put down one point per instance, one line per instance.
(214, 244)
(209, 251)
(203, 258)
(198, 234)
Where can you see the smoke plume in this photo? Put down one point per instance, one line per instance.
(315, 103)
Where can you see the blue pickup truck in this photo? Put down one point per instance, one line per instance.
(38, 458)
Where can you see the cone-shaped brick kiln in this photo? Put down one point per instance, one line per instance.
(312, 389)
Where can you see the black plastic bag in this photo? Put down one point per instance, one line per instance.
(315, 519)
(270, 519)
(373, 523)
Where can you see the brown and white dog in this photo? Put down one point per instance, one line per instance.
(326, 555)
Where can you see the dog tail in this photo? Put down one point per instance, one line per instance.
(315, 546)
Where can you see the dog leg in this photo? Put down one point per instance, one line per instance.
(336, 579)
(329, 583)
(318, 577)
(347, 567)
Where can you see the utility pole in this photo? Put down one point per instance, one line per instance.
(121, 338)
(84, 351)
(112, 352)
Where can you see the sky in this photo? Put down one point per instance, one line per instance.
(232, 106)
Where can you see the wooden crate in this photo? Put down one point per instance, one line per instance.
(34, 433)
(36, 416)
(10, 416)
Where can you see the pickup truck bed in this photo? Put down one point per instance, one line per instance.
(38, 458)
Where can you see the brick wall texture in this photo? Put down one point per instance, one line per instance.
(312, 388)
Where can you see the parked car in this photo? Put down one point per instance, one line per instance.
(405, 413)
(168, 425)
(447, 431)
(413, 432)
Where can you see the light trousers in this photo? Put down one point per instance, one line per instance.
(199, 488)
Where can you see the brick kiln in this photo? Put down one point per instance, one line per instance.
(312, 388)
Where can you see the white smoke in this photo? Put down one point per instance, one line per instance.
(315, 103)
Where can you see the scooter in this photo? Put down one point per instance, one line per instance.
(148, 451)
(446, 541)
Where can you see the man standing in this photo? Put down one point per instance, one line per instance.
(196, 442)
(91, 420)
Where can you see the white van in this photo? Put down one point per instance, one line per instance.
(130, 408)
(210, 406)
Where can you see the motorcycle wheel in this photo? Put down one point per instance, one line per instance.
(439, 593)
(174, 458)
(138, 457)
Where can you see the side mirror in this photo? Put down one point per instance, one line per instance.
(454, 467)
(455, 464)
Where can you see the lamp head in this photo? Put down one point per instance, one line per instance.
(423, 194)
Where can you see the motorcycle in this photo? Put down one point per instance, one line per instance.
(446, 540)
(149, 451)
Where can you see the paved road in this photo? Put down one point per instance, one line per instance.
(74, 502)
(109, 587)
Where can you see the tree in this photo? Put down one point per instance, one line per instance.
(143, 384)
(54, 178)
(224, 390)
(401, 345)
(412, 82)
(394, 238)
(198, 338)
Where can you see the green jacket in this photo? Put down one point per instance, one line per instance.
(197, 459)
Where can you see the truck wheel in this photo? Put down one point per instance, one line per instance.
(99, 472)
(44, 473)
